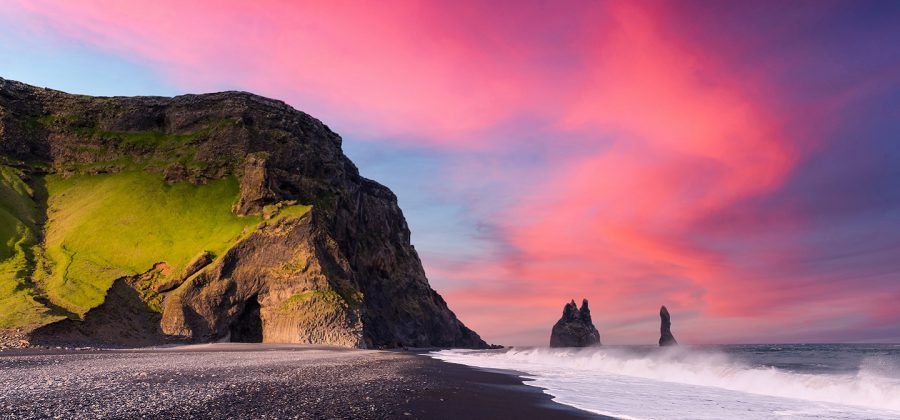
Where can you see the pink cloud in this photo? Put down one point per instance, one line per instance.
(647, 140)
(411, 69)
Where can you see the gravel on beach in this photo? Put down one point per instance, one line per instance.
(258, 381)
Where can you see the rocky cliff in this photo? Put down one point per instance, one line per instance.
(224, 216)
(575, 328)
(665, 328)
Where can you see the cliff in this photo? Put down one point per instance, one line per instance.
(224, 216)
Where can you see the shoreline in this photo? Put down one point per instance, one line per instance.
(261, 381)
(493, 393)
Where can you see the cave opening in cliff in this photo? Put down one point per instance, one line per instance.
(248, 327)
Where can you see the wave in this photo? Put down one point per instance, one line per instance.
(874, 385)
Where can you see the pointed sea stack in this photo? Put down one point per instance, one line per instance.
(575, 328)
(665, 328)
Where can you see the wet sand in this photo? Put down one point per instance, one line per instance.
(232, 380)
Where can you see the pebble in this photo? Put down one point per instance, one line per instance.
(259, 384)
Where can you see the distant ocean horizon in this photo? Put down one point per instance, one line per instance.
(746, 381)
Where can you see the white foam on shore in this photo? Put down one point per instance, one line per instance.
(681, 383)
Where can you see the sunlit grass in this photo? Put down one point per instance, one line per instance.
(102, 227)
(19, 215)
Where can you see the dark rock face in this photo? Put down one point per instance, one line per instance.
(665, 328)
(345, 273)
(575, 328)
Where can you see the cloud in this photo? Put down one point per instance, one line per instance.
(419, 71)
(631, 153)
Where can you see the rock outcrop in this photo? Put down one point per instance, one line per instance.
(575, 328)
(343, 273)
(665, 328)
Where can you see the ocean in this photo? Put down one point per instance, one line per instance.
(773, 381)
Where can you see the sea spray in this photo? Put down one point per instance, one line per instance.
(709, 382)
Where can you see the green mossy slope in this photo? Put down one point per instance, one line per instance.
(103, 227)
(19, 219)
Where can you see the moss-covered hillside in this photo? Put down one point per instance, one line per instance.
(110, 202)
(20, 219)
(102, 227)
(224, 216)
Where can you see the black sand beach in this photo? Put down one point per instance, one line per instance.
(259, 381)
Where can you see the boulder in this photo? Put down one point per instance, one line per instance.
(575, 328)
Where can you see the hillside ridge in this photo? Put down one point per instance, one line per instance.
(231, 216)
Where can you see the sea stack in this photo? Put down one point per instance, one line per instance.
(665, 328)
(575, 328)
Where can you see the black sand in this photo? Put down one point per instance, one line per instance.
(260, 381)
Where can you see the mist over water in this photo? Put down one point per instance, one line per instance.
(835, 381)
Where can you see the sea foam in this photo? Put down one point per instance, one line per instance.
(684, 382)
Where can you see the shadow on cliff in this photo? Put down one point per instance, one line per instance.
(123, 320)
(39, 196)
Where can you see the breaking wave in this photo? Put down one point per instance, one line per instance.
(690, 382)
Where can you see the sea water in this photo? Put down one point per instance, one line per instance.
(809, 381)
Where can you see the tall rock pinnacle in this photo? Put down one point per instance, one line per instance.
(665, 328)
(575, 328)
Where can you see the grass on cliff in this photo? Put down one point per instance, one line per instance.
(103, 227)
(19, 218)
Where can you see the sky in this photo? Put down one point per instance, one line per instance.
(738, 162)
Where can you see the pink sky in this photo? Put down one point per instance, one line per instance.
(633, 153)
